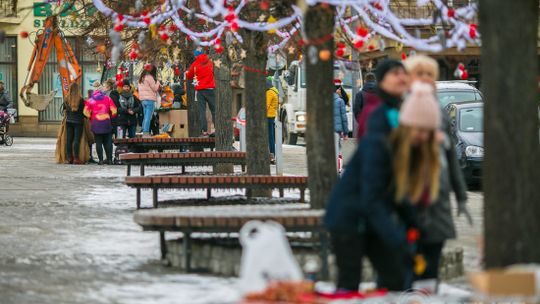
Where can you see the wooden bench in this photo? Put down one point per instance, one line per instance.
(247, 182)
(184, 160)
(229, 219)
(161, 144)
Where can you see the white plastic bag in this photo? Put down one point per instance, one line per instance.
(266, 256)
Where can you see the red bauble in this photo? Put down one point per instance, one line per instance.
(133, 55)
(451, 13)
(164, 36)
(362, 31)
(24, 34)
(234, 27)
(340, 45)
(371, 47)
(378, 6)
(340, 53)
(472, 32)
(403, 56)
(148, 67)
(465, 75)
(218, 48)
(217, 41)
(461, 66)
(120, 17)
(173, 28)
(176, 71)
(118, 27)
(264, 5)
(119, 77)
(120, 83)
(147, 20)
(359, 44)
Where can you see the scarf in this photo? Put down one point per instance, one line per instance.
(126, 100)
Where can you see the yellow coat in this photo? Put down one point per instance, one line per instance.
(272, 102)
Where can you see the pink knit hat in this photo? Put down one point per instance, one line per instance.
(420, 109)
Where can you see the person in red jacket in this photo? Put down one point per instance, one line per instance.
(202, 71)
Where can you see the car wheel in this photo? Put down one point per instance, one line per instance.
(288, 137)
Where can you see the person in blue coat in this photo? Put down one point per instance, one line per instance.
(371, 207)
(341, 126)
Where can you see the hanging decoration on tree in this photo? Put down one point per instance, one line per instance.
(461, 72)
(457, 27)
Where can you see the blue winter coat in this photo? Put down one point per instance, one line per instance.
(363, 199)
(340, 115)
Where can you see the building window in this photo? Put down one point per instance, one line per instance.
(8, 66)
(8, 8)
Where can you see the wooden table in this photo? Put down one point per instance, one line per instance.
(229, 219)
(211, 158)
(142, 145)
(248, 182)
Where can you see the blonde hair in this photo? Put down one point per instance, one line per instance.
(422, 62)
(415, 167)
(74, 96)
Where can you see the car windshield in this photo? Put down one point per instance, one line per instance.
(471, 119)
(447, 97)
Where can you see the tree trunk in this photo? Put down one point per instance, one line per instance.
(258, 155)
(321, 154)
(224, 127)
(194, 126)
(511, 171)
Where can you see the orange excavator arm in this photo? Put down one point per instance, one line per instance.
(69, 68)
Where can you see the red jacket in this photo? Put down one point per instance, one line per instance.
(203, 70)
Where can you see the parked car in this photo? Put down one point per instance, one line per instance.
(457, 91)
(466, 119)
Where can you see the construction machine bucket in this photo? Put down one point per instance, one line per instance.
(36, 101)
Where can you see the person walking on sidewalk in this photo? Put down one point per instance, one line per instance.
(148, 92)
(272, 96)
(437, 217)
(371, 208)
(202, 72)
(341, 125)
(365, 102)
(101, 109)
(74, 106)
(128, 106)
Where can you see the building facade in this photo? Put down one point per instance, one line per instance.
(15, 54)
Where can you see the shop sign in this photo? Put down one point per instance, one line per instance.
(69, 18)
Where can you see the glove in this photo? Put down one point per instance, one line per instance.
(462, 210)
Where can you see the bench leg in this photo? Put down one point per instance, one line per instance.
(281, 192)
(138, 198)
(155, 197)
(183, 169)
(163, 245)
(142, 170)
(208, 193)
(186, 242)
(302, 196)
(324, 243)
(128, 170)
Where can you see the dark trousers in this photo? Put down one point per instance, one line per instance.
(74, 133)
(349, 251)
(104, 141)
(432, 255)
(394, 271)
(129, 131)
(272, 135)
(206, 97)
